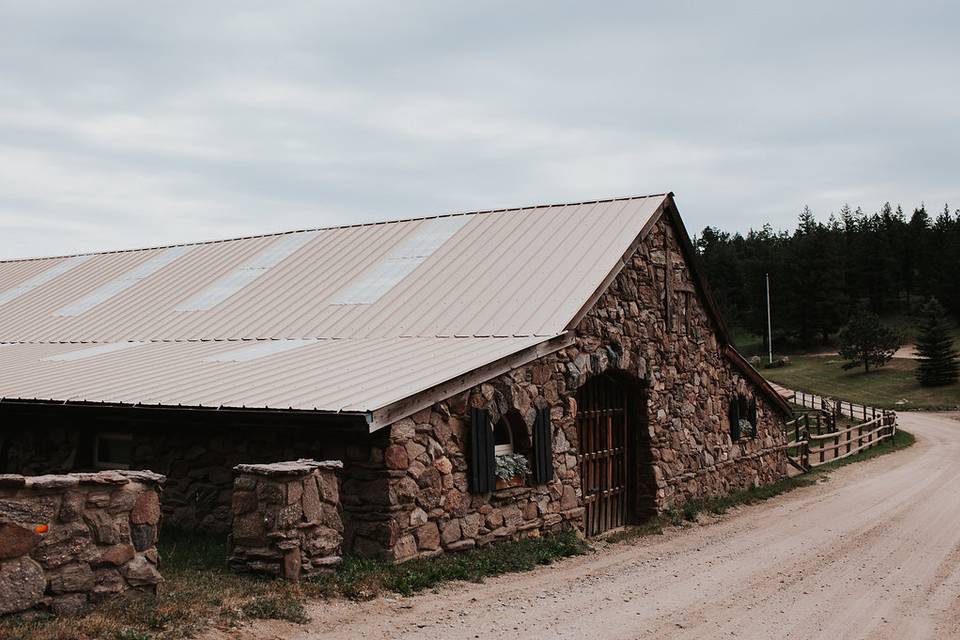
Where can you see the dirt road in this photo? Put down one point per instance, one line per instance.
(873, 553)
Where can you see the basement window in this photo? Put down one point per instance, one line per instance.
(112, 450)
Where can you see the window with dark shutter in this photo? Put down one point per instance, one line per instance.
(752, 416)
(542, 447)
(483, 465)
(734, 415)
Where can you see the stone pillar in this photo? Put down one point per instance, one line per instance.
(286, 518)
(67, 540)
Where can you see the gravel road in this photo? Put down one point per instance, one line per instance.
(872, 553)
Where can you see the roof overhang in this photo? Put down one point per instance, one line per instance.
(408, 406)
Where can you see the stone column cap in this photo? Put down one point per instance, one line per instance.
(61, 481)
(300, 467)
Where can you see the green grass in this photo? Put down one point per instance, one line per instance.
(360, 579)
(199, 592)
(890, 387)
(751, 344)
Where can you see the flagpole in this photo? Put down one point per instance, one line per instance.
(769, 324)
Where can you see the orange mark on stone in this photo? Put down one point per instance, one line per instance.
(41, 528)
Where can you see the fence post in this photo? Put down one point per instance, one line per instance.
(848, 440)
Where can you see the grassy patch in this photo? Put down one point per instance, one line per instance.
(199, 592)
(691, 510)
(882, 388)
(358, 579)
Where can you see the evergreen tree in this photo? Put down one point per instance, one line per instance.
(866, 341)
(884, 258)
(938, 359)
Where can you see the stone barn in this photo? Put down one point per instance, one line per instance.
(482, 376)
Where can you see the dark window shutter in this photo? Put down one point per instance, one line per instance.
(734, 413)
(752, 416)
(542, 447)
(483, 464)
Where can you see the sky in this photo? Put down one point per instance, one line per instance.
(130, 124)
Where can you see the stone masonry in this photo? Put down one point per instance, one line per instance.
(68, 540)
(409, 498)
(286, 518)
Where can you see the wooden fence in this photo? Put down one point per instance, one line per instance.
(817, 439)
(836, 407)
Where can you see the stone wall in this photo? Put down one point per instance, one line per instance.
(286, 518)
(68, 540)
(410, 499)
(197, 459)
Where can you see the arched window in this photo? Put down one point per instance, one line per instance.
(510, 434)
(502, 437)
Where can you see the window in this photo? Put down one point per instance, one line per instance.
(510, 434)
(112, 450)
(502, 438)
(743, 418)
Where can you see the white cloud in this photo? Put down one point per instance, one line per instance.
(127, 126)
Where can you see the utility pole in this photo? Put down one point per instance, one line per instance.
(769, 324)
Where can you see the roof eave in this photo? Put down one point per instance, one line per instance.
(406, 407)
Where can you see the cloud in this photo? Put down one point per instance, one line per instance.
(122, 125)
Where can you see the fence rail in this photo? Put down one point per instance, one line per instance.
(836, 407)
(818, 440)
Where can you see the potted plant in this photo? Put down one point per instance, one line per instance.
(512, 470)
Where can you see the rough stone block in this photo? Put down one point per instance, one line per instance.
(103, 525)
(146, 509)
(16, 541)
(310, 499)
(395, 457)
(38, 510)
(117, 555)
(140, 572)
(71, 578)
(21, 584)
(143, 536)
(428, 537)
(450, 532)
(243, 502)
(63, 543)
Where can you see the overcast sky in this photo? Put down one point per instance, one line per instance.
(127, 124)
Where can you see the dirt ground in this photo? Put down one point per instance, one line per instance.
(873, 553)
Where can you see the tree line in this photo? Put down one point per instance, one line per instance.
(820, 272)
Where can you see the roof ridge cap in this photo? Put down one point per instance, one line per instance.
(331, 228)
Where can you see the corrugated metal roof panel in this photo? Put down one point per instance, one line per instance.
(326, 375)
(503, 273)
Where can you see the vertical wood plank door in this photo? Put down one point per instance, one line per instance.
(604, 431)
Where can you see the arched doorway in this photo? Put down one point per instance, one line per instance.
(616, 472)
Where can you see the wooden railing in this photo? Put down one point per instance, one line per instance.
(836, 407)
(817, 439)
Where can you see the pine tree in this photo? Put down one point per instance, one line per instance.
(938, 359)
(866, 341)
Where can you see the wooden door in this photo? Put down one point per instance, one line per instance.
(603, 425)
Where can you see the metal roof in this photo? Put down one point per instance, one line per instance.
(393, 308)
(322, 375)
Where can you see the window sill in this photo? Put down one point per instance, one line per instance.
(510, 493)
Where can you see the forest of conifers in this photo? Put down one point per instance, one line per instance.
(888, 260)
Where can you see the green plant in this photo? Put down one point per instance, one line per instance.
(938, 364)
(511, 465)
(866, 342)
